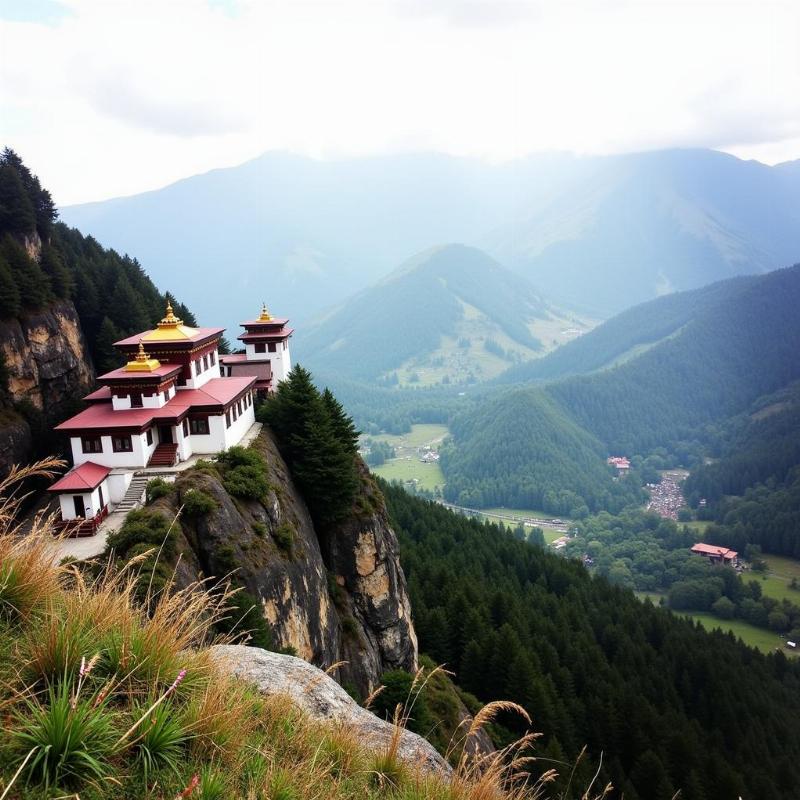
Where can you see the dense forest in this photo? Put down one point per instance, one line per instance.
(662, 703)
(760, 445)
(520, 450)
(112, 294)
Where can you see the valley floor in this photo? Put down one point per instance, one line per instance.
(407, 466)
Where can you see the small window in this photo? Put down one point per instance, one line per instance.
(199, 426)
(260, 348)
(149, 436)
(198, 367)
(205, 363)
(213, 357)
(181, 380)
(227, 419)
(272, 347)
(284, 345)
(122, 444)
(166, 395)
(92, 444)
(186, 427)
(136, 399)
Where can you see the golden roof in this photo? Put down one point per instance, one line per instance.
(142, 362)
(265, 315)
(170, 328)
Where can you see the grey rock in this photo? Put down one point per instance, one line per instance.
(319, 696)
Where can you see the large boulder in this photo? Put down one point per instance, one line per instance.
(322, 698)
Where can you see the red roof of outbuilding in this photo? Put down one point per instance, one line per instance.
(86, 477)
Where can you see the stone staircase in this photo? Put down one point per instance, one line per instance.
(165, 455)
(134, 494)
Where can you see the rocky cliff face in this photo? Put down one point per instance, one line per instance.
(346, 602)
(48, 366)
(46, 356)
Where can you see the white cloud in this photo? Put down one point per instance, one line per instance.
(121, 96)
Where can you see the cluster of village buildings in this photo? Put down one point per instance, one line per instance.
(176, 397)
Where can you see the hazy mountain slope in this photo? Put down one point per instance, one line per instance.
(303, 233)
(599, 233)
(452, 298)
(650, 223)
(627, 334)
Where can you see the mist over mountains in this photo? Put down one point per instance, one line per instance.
(597, 234)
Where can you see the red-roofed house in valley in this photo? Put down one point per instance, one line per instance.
(715, 554)
(165, 405)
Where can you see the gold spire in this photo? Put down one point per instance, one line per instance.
(142, 362)
(265, 315)
(170, 320)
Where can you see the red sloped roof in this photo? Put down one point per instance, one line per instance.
(100, 415)
(713, 550)
(84, 478)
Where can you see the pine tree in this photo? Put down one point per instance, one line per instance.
(32, 283)
(343, 425)
(126, 309)
(10, 302)
(323, 467)
(60, 278)
(106, 356)
(17, 215)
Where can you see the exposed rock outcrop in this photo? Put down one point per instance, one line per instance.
(343, 601)
(48, 365)
(363, 554)
(46, 356)
(322, 698)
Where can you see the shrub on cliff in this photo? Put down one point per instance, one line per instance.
(196, 503)
(244, 473)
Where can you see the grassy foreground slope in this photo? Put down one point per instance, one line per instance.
(104, 697)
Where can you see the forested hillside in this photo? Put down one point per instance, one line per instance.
(626, 335)
(668, 705)
(64, 300)
(741, 344)
(42, 260)
(522, 451)
(451, 311)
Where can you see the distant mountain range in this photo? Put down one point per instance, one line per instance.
(449, 315)
(598, 234)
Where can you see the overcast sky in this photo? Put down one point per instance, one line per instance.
(110, 97)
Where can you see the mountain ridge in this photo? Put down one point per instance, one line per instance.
(593, 233)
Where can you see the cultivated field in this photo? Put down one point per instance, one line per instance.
(406, 466)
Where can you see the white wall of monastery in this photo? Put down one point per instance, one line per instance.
(136, 458)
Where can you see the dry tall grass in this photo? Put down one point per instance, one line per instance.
(102, 696)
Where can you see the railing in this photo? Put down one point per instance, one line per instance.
(81, 527)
